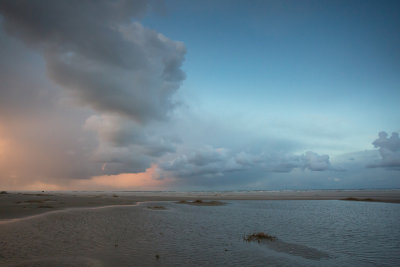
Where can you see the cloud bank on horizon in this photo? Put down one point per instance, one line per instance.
(89, 95)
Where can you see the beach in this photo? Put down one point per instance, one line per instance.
(314, 228)
(15, 204)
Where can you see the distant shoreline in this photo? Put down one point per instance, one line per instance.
(23, 204)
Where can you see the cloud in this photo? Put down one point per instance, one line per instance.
(206, 161)
(134, 181)
(216, 162)
(389, 149)
(315, 162)
(312, 161)
(41, 137)
(124, 78)
(92, 49)
(126, 147)
(59, 53)
(23, 88)
(119, 132)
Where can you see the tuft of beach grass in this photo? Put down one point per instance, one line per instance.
(260, 236)
(157, 207)
(199, 202)
(360, 199)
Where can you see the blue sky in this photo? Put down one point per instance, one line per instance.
(331, 62)
(200, 94)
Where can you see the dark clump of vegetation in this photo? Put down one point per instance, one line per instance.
(157, 207)
(3, 192)
(199, 202)
(38, 195)
(45, 207)
(395, 200)
(157, 256)
(259, 237)
(34, 201)
(360, 199)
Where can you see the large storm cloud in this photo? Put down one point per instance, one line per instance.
(88, 90)
(94, 54)
(94, 50)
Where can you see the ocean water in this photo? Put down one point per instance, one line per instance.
(309, 233)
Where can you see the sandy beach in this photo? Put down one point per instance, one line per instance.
(22, 204)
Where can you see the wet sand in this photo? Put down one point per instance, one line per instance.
(169, 233)
(22, 204)
(136, 235)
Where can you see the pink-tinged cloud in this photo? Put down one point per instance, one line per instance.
(147, 180)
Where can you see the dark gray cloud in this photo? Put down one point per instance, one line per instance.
(389, 149)
(119, 132)
(94, 54)
(41, 136)
(73, 26)
(214, 162)
(287, 162)
(206, 161)
(23, 86)
(125, 146)
(315, 162)
(94, 50)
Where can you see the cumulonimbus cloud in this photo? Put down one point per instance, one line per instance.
(94, 50)
(104, 58)
(128, 74)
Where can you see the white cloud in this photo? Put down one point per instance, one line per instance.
(389, 149)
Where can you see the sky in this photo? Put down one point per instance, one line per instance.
(199, 95)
